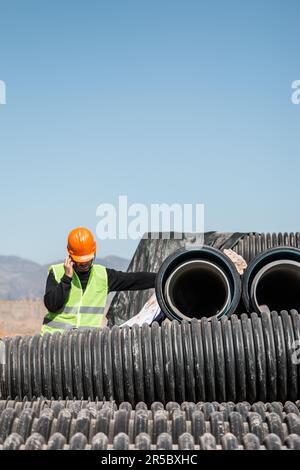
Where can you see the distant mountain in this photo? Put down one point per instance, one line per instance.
(25, 279)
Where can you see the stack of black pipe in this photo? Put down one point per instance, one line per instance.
(43, 424)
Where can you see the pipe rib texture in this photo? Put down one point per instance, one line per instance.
(251, 357)
(99, 425)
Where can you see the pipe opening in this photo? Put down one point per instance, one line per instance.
(277, 286)
(197, 288)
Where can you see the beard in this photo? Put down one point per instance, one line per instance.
(83, 268)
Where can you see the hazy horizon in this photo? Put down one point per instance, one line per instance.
(60, 258)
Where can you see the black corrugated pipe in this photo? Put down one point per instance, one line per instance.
(272, 280)
(236, 359)
(99, 425)
(198, 282)
(255, 243)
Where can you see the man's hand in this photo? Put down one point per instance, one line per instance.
(68, 265)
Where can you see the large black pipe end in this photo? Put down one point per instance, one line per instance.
(272, 281)
(196, 283)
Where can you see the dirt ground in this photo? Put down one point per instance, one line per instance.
(22, 317)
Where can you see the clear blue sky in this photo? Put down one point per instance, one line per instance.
(163, 101)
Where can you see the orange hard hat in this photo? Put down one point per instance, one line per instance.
(81, 245)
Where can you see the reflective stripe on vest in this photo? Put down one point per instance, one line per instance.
(64, 326)
(82, 309)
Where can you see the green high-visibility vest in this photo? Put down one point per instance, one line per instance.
(83, 309)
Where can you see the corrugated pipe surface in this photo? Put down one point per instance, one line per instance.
(233, 359)
(43, 424)
(251, 245)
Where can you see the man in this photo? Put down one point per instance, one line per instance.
(76, 290)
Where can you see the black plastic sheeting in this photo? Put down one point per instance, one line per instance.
(75, 425)
(234, 359)
(154, 248)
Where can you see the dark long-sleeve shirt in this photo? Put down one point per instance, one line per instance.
(57, 293)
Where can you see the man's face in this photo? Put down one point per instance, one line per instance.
(83, 267)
